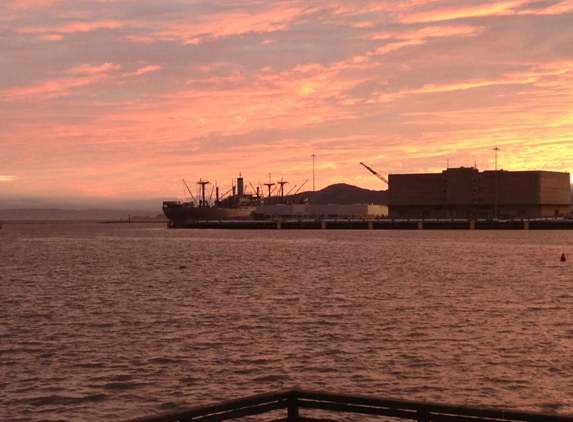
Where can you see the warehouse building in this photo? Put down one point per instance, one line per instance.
(468, 193)
(321, 212)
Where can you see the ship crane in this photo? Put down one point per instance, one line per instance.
(211, 194)
(291, 189)
(227, 193)
(190, 193)
(300, 187)
(376, 174)
(257, 190)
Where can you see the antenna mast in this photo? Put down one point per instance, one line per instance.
(269, 185)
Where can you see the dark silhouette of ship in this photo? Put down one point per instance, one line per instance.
(236, 206)
(240, 205)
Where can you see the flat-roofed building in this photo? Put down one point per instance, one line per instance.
(468, 193)
(331, 212)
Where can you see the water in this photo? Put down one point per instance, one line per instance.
(115, 321)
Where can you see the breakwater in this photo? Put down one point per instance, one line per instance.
(381, 224)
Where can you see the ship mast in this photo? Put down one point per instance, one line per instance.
(282, 187)
(269, 185)
(203, 202)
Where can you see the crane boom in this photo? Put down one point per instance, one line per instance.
(375, 173)
(300, 187)
(189, 190)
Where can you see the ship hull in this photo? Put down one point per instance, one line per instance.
(183, 214)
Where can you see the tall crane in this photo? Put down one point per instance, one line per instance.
(375, 173)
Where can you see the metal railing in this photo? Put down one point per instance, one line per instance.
(292, 404)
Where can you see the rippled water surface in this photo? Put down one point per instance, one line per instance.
(114, 321)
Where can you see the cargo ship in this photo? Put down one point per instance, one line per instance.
(237, 206)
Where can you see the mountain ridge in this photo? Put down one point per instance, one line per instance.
(344, 194)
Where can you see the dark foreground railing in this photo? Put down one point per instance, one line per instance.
(293, 406)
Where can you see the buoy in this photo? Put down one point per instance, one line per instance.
(563, 258)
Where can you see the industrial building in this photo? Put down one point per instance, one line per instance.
(468, 193)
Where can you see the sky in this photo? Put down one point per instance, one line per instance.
(127, 98)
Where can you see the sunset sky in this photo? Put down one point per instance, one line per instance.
(125, 98)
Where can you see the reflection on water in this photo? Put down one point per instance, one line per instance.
(118, 321)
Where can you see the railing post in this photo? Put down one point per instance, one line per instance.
(292, 407)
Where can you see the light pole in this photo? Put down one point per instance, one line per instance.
(313, 214)
(313, 157)
(496, 149)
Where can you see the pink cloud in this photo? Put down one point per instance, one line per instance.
(236, 22)
(52, 37)
(83, 75)
(443, 13)
(29, 4)
(560, 8)
(482, 9)
(71, 27)
(87, 69)
(143, 70)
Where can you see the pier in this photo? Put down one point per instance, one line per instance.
(311, 406)
(381, 224)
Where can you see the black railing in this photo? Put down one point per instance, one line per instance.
(291, 406)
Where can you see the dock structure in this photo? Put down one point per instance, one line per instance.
(312, 406)
(321, 212)
(383, 224)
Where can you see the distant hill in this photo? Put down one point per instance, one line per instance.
(342, 193)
